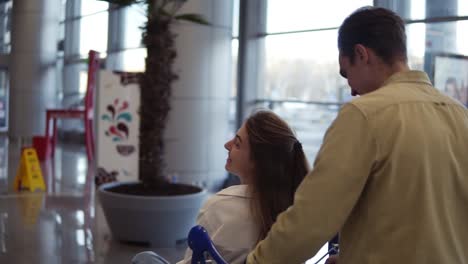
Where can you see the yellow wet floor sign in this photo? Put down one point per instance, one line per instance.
(29, 174)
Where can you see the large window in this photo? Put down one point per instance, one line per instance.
(5, 48)
(300, 65)
(5, 26)
(133, 51)
(299, 56)
(298, 68)
(93, 29)
(83, 27)
(298, 15)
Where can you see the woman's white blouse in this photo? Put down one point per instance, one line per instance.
(229, 222)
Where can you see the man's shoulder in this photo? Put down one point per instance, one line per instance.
(402, 87)
(368, 104)
(380, 99)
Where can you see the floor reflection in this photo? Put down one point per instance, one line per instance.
(65, 224)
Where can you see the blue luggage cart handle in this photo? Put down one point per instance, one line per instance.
(199, 241)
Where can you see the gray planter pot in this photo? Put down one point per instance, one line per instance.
(160, 220)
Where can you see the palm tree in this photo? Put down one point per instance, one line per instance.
(155, 84)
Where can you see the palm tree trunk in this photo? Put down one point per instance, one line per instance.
(155, 85)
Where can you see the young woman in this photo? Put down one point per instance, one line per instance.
(269, 160)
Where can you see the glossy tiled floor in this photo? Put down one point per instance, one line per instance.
(64, 224)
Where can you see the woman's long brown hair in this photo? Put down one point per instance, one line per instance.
(280, 165)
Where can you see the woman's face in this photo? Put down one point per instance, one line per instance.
(239, 161)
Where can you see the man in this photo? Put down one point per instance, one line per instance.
(392, 173)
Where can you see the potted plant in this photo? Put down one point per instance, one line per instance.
(154, 210)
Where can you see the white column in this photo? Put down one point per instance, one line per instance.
(35, 27)
(198, 122)
(116, 38)
(251, 58)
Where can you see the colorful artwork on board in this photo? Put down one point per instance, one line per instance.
(117, 128)
(119, 118)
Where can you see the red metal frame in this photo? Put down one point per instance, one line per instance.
(86, 113)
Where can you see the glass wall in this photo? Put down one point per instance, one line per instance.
(439, 31)
(4, 89)
(84, 27)
(93, 26)
(299, 67)
(5, 48)
(5, 26)
(299, 15)
(133, 53)
(298, 71)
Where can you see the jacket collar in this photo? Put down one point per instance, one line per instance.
(408, 76)
(242, 190)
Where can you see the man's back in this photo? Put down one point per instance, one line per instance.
(417, 191)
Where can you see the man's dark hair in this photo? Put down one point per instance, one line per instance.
(377, 28)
